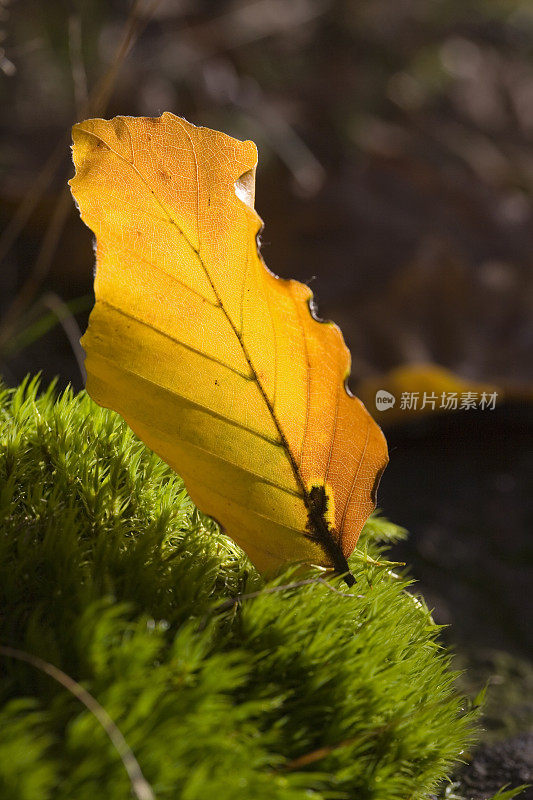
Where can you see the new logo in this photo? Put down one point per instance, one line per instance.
(384, 400)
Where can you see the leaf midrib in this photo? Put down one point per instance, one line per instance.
(196, 251)
(320, 530)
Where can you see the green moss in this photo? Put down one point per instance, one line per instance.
(109, 572)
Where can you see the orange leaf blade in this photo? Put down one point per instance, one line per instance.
(215, 363)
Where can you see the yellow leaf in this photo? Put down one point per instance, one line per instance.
(217, 364)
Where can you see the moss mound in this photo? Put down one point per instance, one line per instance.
(109, 572)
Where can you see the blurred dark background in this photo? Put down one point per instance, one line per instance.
(395, 177)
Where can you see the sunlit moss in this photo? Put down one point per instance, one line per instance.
(109, 572)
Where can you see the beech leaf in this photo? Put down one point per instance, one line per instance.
(218, 365)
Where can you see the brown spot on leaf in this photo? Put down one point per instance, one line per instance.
(374, 492)
(319, 530)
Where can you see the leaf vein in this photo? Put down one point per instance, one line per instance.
(354, 481)
(175, 340)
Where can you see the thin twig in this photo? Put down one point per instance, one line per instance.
(231, 601)
(140, 786)
(244, 24)
(40, 268)
(307, 171)
(26, 207)
(322, 752)
(136, 24)
(67, 320)
(95, 105)
(79, 76)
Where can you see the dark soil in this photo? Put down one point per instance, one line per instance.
(493, 766)
(462, 486)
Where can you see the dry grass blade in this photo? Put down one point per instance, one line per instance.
(322, 752)
(79, 76)
(25, 209)
(40, 267)
(231, 601)
(138, 19)
(139, 785)
(95, 104)
(67, 320)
